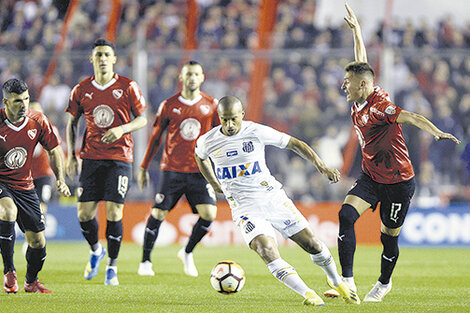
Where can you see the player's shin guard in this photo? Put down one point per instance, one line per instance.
(347, 238)
(114, 236)
(150, 236)
(389, 257)
(90, 232)
(200, 229)
(35, 258)
(7, 243)
(325, 260)
(286, 274)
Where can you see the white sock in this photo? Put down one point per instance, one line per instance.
(285, 273)
(350, 282)
(98, 251)
(325, 260)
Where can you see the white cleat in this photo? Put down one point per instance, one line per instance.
(332, 293)
(145, 269)
(378, 292)
(188, 262)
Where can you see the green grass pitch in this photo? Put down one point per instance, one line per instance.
(425, 280)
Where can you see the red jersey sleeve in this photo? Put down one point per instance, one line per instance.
(136, 99)
(159, 126)
(386, 111)
(215, 117)
(48, 136)
(74, 107)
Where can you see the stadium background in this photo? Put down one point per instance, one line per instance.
(284, 59)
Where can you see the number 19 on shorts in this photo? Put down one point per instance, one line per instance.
(123, 183)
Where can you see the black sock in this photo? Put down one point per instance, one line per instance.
(199, 230)
(347, 238)
(90, 232)
(114, 237)
(35, 258)
(150, 236)
(7, 243)
(389, 257)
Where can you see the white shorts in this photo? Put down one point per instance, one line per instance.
(260, 216)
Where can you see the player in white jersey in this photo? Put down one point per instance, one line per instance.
(258, 202)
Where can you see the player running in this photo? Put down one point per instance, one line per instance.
(108, 102)
(185, 116)
(20, 131)
(387, 174)
(258, 203)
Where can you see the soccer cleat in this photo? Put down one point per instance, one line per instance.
(93, 265)
(188, 262)
(10, 282)
(36, 287)
(111, 276)
(311, 298)
(378, 292)
(145, 269)
(332, 293)
(349, 296)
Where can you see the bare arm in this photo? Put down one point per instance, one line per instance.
(115, 133)
(360, 53)
(205, 166)
(305, 151)
(406, 117)
(56, 156)
(71, 136)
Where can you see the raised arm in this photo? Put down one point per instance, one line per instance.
(360, 53)
(205, 166)
(305, 151)
(406, 117)
(71, 136)
(56, 156)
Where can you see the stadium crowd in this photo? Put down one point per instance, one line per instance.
(431, 75)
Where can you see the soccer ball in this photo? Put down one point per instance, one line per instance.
(227, 277)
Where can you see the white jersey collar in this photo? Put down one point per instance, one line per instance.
(360, 107)
(17, 128)
(189, 102)
(103, 87)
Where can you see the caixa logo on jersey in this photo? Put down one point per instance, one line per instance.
(238, 170)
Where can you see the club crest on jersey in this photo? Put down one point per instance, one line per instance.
(205, 109)
(238, 170)
(390, 110)
(117, 93)
(103, 116)
(159, 198)
(190, 129)
(365, 118)
(248, 146)
(16, 158)
(32, 133)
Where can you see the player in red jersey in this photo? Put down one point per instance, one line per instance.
(20, 131)
(113, 108)
(387, 175)
(185, 116)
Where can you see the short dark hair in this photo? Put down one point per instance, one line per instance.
(14, 85)
(359, 68)
(192, 62)
(102, 42)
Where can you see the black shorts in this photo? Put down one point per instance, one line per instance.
(43, 186)
(104, 180)
(172, 185)
(29, 215)
(394, 198)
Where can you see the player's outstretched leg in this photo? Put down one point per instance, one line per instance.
(114, 236)
(150, 236)
(378, 292)
(35, 258)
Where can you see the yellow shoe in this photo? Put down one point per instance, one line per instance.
(349, 295)
(311, 298)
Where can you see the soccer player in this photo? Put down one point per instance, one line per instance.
(387, 174)
(185, 116)
(20, 131)
(258, 203)
(113, 108)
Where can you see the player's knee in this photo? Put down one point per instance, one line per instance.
(208, 213)
(159, 214)
(394, 232)
(85, 216)
(36, 240)
(8, 210)
(348, 215)
(313, 246)
(265, 248)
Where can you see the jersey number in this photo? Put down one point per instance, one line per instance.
(396, 207)
(123, 183)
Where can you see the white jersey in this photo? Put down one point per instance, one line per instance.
(239, 160)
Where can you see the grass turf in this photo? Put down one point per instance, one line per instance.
(425, 280)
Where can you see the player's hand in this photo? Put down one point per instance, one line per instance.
(112, 135)
(332, 174)
(444, 136)
(71, 168)
(143, 178)
(63, 188)
(351, 19)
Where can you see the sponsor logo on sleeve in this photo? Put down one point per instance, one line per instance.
(390, 110)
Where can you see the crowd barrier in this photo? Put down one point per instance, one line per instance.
(449, 226)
